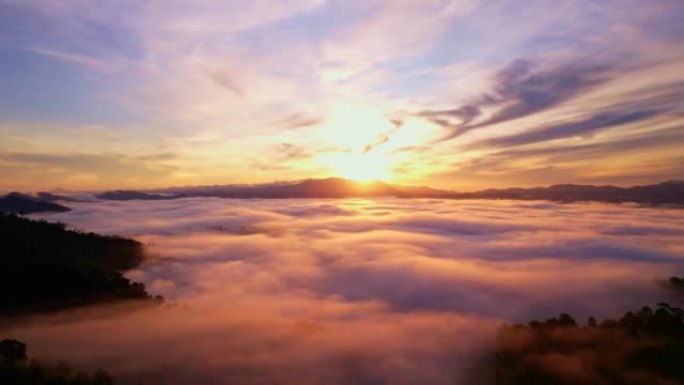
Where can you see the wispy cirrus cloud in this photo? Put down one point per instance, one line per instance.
(521, 90)
(256, 74)
(582, 128)
(106, 66)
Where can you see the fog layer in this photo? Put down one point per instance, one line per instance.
(352, 291)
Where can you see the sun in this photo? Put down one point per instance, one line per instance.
(361, 167)
(360, 135)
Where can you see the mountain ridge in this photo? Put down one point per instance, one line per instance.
(667, 192)
(18, 203)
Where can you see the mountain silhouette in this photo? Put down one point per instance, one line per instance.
(669, 192)
(309, 188)
(17, 203)
(127, 195)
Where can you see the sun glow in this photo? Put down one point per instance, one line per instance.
(367, 144)
(358, 132)
(355, 126)
(360, 166)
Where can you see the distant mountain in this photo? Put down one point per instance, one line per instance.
(127, 195)
(670, 192)
(310, 188)
(17, 203)
(50, 197)
(666, 192)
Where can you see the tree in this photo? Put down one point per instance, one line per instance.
(12, 350)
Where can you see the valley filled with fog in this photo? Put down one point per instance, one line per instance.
(354, 291)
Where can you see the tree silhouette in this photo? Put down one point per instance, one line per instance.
(45, 267)
(12, 350)
(641, 348)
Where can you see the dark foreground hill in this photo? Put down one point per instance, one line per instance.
(45, 267)
(17, 203)
(641, 348)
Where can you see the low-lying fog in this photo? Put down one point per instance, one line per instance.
(353, 291)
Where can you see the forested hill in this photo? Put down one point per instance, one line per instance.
(44, 266)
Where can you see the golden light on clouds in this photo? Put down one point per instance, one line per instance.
(360, 166)
(355, 126)
(369, 144)
(356, 131)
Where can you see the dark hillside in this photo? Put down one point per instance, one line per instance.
(641, 348)
(45, 267)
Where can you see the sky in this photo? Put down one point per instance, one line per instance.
(308, 291)
(453, 94)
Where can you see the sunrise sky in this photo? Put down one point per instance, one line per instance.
(453, 94)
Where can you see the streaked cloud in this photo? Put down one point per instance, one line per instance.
(104, 66)
(429, 86)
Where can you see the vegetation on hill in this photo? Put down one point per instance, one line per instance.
(676, 283)
(17, 369)
(641, 348)
(46, 267)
